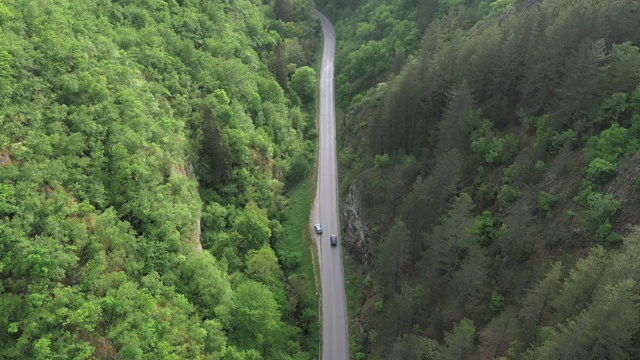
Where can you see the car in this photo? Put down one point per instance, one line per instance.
(318, 229)
(334, 240)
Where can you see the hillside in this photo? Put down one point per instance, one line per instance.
(146, 147)
(490, 177)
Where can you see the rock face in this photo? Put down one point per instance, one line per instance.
(357, 237)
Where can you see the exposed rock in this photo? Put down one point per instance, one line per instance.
(357, 238)
(4, 160)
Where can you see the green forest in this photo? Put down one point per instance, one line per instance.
(492, 148)
(147, 149)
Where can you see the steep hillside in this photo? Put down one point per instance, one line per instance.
(133, 135)
(491, 179)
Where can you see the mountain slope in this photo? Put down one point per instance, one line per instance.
(133, 134)
(505, 145)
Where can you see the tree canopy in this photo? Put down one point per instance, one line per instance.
(145, 147)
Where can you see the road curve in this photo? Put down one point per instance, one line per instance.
(335, 334)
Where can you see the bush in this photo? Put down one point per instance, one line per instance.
(609, 145)
(495, 150)
(497, 302)
(606, 236)
(510, 173)
(368, 281)
(569, 214)
(487, 228)
(546, 202)
(601, 208)
(508, 195)
(381, 161)
(378, 306)
(601, 170)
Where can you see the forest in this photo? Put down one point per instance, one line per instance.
(492, 148)
(147, 148)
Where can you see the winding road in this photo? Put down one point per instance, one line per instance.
(335, 334)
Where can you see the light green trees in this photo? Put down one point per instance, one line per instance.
(605, 330)
(459, 343)
(305, 83)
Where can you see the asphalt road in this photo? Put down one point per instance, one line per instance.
(335, 334)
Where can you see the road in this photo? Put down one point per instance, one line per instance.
(335, 334)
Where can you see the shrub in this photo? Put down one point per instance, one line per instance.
(373, 335)
(510, 173)
(368, 280)
(496, 150)
(546, 202)
(606, 236)
(508, 195)
(601, 170)
(378, 306)
(609, 145)
(486, 228)
(569, 214)
(381, 161)
(566, 139)
(497, 302)
(601, 208)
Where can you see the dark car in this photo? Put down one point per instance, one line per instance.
(334, 240)
(318, 229)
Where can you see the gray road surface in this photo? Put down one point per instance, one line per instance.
(335, 334)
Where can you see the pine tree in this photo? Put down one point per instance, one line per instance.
(604, 331)
(459, 344)
(539, 298)
(451, 238)
(394, 257)
(578, 289)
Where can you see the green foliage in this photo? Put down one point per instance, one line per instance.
(252, 225)
(381, 161)
(508, 194)
(304, 82)
(610, 145)
(486, 228)
(510, 173)
(606, 236)
(497, 302)
(492, 149)
(460, 342)
(603, 153)
(600, 170)
(546, 202)
(368, 280)
(569, 214)
(122, 125)
(601, 209)
(378, 306)
(565, 70)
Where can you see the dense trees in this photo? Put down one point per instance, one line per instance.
(504, 147)
(133, 134)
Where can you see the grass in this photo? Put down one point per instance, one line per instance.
(297, 253)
